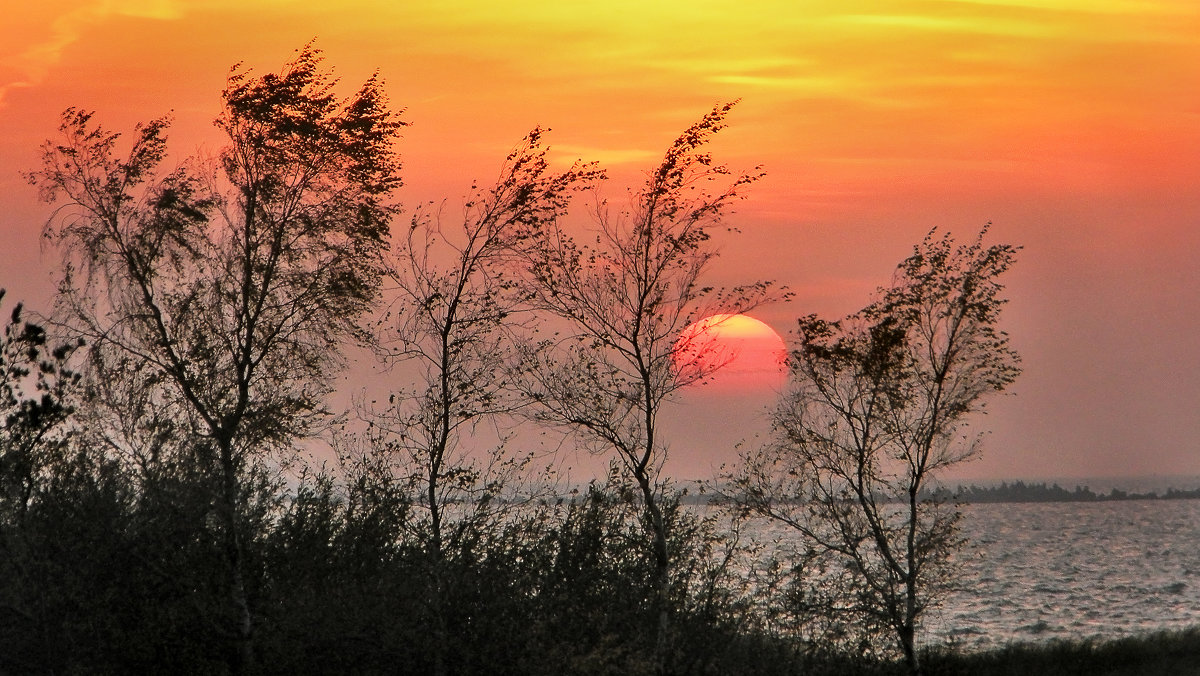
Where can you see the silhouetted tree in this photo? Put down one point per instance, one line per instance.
(236, 283)
(622, 301)
(878, 403)
(455, 293)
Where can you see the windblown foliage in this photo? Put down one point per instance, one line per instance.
(879, 403)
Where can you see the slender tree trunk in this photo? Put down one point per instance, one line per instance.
(662, 579)
(441, 639)
(242, 659)
(908, 644)
(440, 630)
(662, 645)
(908, 632)
(437, 583)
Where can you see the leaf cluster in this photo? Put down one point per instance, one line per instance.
(38, 394)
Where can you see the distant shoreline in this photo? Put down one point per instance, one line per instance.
(1019, 491)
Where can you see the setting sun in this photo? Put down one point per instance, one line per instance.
(731, 351)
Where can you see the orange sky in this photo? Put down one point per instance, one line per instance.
(1074, 125)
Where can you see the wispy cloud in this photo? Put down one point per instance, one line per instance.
(145, 9)
(29, 62)
(1140, 7)
(605, 156)
(982, 25)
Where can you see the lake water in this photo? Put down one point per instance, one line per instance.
(1039, 571)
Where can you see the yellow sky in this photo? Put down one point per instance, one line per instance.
(931, 81)
(1073, 124)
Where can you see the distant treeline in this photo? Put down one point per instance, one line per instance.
(1019, 491)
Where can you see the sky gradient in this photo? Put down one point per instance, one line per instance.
(1072, 125)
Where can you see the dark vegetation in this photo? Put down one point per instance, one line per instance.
(1174, 652)
(158, 514)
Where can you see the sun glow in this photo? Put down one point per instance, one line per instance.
(731, 351)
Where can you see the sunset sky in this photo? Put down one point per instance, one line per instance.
(1072, 125)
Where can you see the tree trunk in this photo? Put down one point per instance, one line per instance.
(437, 589)
(662, 645)
(908, 644)
(441, 641)
(242, 658)
(662, 580)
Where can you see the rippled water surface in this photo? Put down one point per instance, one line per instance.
(1068, 570)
